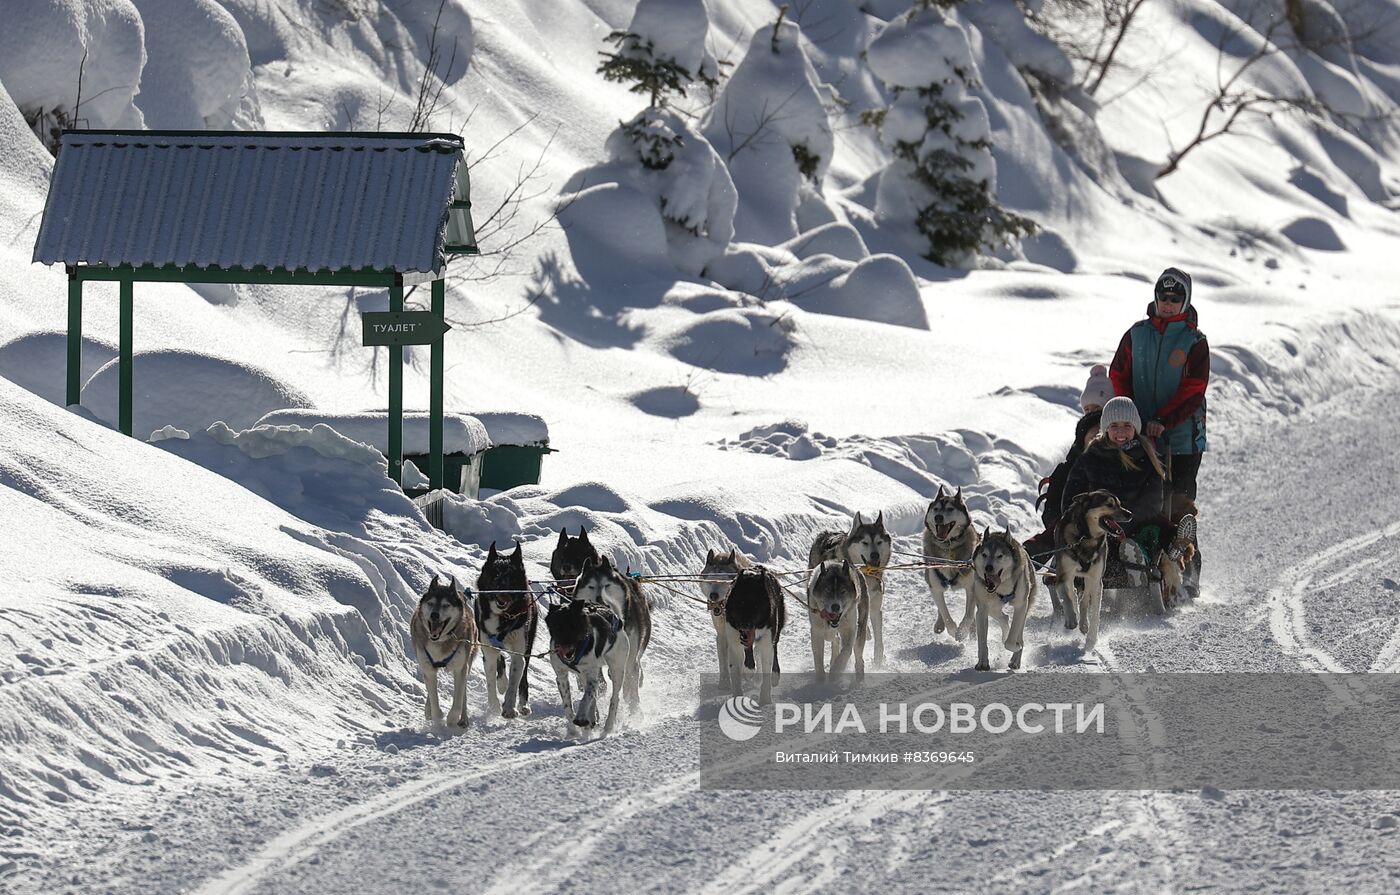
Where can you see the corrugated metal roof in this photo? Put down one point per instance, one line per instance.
(299, 201)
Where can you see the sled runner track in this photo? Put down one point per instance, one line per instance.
(1166, 826)
(297, 845)
(1286, 605)
(797, 842)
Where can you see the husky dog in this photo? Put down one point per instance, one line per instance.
(1002, 577)
(584, 639)
(838, 604)
(601, 583)
(506, 618)
(1082, 540)
(568, 558)
(867, 545)
(718, 574)
(755, 615)
(443, 632)
(950, 537)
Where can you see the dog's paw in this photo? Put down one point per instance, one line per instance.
(524, 711)
(938, 626)
(508, 713)
(1071, 623)
(982, 666)
(1013, 646)
(1013, 665)
(1084, 625)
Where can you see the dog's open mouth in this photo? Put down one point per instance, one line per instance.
(435, 629)
(566, 654)
(1112, 525)
(992, 580)
(943, 532)
(831, 618)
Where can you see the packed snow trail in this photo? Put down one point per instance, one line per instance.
(513, 806)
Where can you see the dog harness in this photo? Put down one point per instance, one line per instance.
(450, 656)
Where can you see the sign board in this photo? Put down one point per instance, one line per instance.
(401, 328)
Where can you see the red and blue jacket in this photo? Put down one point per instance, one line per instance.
(1163, 364)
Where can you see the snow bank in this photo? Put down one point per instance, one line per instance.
(190, 391)
(510, 427)
(39, 362)
(197, 72)
(184, 621)
(460, 433)
(42, 49)
(769, 122)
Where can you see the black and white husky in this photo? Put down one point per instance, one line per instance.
(754, 616)
(506, 619)
(566, 562)
(1003, 579)
(601, 583)
(718, 574)
(838, 605)
(867, 545)
(949, 537)
(584, 639)
(443, 632)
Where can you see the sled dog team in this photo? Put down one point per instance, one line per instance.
(604, 622)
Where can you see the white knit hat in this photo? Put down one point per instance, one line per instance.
(1099, 389)
(1120, 410)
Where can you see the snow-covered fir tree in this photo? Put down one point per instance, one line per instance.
(662, 51)
(942, 181)
(770, 125)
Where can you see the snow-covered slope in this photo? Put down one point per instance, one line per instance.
(721, 356)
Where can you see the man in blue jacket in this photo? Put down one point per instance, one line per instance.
(1163, 364)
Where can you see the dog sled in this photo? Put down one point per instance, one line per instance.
(1135, 584)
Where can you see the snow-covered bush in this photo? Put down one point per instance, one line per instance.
(47, 45)
(943, 178)
(770, 125)
(660, 155)
(663, 49)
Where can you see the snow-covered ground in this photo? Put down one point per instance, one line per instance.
(203, 677)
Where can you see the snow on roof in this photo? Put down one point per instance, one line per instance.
(461, 434)
(313, 201)
(522, 429)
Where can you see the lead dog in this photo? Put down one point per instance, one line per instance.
(506, 618)
(867, 545)
(839, 606)
(718, 574)
(585, 638)
(443, 632)
(1003, 578)
(755, 616)
(949, 538)
(600, 582)
(1081, 551)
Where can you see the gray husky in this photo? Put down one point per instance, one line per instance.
(949, 536)
(867, 545)
(839, 606)
(719, 572)
(1003, 578)
(600, 582)
(444, 637)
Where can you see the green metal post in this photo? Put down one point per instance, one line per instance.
(75, 338)
(126, 314)
(439, 309)
(396, 391)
